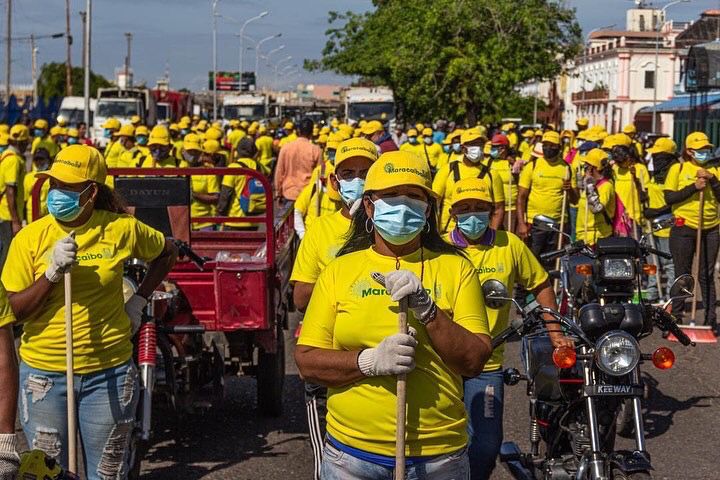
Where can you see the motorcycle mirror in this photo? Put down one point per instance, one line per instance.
(682, 287)
(495, 293)
(545, 224)
(662, 222)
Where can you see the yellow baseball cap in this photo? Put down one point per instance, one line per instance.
(173, 127)
(596, 157)
(192, 142)
(334, 140)
(617, 140)
(427, 132)
(471, 189)
(412, 133)
(663, 145)
(159, 136)
(262, 130)
(356, 147)
(41, 123)
(371, 127)
(529, 133)
(629, 129)
(695, 141)
(289, 126)
(126, 131)
(583, 122)
(19, 133)
(73, 132)
(397, 168)
(213, 133)
(4, 137)
(77, 164)
(111, 123)
(56, 130)
(142, 130)
(135, 119)
(551, 137)
(472, 134)
(419, 127)
(211, 146)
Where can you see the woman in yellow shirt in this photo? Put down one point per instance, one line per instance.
(350, 343)
(596, 207)
(683, 185)
(498, 255)
(88, 235)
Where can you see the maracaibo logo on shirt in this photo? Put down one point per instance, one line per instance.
(364, 288)
(104, 254)
(483, 269)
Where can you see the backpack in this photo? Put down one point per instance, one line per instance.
(620, 222)
(252, 197)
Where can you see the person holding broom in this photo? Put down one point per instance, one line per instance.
(89, 235)
(351, 344)
(692, 190)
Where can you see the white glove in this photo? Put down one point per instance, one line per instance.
(298, 223)
(134, 309)
(404, 283)
(395, 355)
(9, 458)
(62, 259)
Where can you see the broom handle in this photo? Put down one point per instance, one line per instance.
(656, 260)
(400, 418)
(562, 226)
(70, 376)
(696, 259)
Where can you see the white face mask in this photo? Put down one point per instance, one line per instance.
(473, 153)
(428, 140)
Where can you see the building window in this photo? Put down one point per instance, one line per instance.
(649, 78)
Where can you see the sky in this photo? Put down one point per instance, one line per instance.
(177, 34)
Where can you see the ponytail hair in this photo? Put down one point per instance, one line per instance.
(109, 200)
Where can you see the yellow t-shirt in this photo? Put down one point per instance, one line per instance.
(445, 181)
(657, 200)
(628, 192)
(28, 184)
(350, 311)
(7, 317)
(285, 140)
(319, 247)
(307, 203)
(510, 261)
(502, 169)
(417, 148)
(597, 225)
(203, 184)
(264, 144)
(131, 158)
(432, 153)
(47, 143)
(167, 162)
(112, 154)
(12, 172)
(680, 176)
(101, 329)
(545, 180)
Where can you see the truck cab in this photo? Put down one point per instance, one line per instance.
(369, 103)
(72, 110)
(244, 107)
(121, 104)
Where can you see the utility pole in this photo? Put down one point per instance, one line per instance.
(86, 79)
(83, 20)
(68, 63)
(128, 83)
(33, 51)
(8, 49)
(214, 59)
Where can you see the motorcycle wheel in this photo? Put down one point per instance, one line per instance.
(640, 475)
(625, 422)
(138, 449)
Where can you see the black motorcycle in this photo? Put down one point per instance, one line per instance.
(577, 394)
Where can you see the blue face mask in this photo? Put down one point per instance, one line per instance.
(457, 148)
(107, 133)
(412, 140)
(142, 140)
(183, 132)
(473, 224)
(156, 153)
(399, 219)
(72, 140)
(3, 148)
(495, 153)
(702, 156)
(38, 132)
(331, 156)
(64, 205)
(351, 190)
(446, 148)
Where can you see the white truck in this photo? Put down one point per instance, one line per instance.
(122, 104)
(249, 107)
(72, 111)
(369, 103)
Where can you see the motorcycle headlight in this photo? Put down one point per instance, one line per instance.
(617, 353)
(129, 288)
(618, 269)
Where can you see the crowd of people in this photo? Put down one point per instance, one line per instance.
(421, 216)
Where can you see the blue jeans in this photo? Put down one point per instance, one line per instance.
(484, 405)
(666, 265)
(106, 402)
(338, 465)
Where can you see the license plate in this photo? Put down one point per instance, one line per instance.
(614, 390)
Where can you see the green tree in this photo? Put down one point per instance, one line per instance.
(51, 82)
(456, 59)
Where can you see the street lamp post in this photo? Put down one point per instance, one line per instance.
(257, 50)
(277, 65)
(657, 55)
(242, 38)
(214, 46)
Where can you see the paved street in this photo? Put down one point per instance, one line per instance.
(239, 444)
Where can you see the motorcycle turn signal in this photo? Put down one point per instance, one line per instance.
(564, 357)
(663, 358)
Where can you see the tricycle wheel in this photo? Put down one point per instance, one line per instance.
(270, 379)
(137, 450)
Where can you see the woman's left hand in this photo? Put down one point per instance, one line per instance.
(404, 283)
(559, 340)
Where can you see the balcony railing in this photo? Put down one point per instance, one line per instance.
(591, 96)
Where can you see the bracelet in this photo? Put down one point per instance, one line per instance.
(430, 315)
